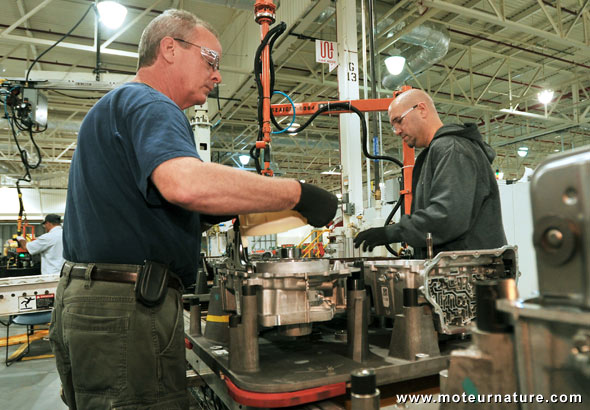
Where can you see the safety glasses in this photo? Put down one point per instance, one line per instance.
(398, 120)
(211, 57)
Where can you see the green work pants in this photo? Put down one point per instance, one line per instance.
(112, 352)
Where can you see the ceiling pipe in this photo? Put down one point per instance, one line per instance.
(519, 48)
(433, 39)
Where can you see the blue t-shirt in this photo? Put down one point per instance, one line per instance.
(114, 213)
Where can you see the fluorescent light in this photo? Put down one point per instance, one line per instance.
(331, 172)
(302, 181)
(395, 64)
(244, 159)
(112, 14)
(523, 151)
(545, 96)
(292, 128)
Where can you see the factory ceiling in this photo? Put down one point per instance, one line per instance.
(500, 56)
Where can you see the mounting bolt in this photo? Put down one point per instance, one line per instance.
(554, 237)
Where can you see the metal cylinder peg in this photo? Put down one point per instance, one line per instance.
(410, 297)
(195, 318)
(355, 282)
(489, 318)
(357, 315)
(364, 394)
(249, 328)
(290, 252)
(429, 245)
(235, 343)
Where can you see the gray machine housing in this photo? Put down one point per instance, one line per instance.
(446, 282)
(560, 198)
(546, 350)
(38, 103)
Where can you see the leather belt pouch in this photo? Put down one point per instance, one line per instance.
(152, 284)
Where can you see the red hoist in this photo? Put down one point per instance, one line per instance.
(265, 16)
(369, 105)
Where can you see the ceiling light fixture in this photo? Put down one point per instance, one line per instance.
(395, 64)
(292, 128)
(545, 96)
(523, 151)
(333, 171)
(112, 14)
(244, 159)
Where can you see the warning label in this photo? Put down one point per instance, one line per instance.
(45, 301)
(35, 302)
(26, 303)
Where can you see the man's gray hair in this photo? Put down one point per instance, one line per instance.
(173, 23)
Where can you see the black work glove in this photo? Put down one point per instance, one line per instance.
(316, 205)
(371, 238)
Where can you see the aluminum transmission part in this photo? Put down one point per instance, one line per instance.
(292, 293)
(446, 282)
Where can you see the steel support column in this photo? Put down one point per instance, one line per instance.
(348, 89)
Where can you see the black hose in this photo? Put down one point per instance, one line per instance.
(57, 42)
(399, 203)
(26, 126)
(23, 154)
(269, 39)
(349, 107)
(21, 205)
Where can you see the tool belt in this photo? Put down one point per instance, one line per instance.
(151, 280)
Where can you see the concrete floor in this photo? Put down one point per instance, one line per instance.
(32, 384)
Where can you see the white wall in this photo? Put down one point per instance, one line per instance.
(37, 202)
(518, 224)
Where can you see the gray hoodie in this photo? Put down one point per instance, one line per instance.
(456, 195)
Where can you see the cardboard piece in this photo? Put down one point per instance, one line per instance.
(267, 223)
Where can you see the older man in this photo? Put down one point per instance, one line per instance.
(456, 195)
(49, 245)
(137, 193)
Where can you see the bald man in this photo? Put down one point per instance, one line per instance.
(456, 195)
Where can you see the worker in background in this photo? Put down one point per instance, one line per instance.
(455, 193)
(49, 245)
(136, 194)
